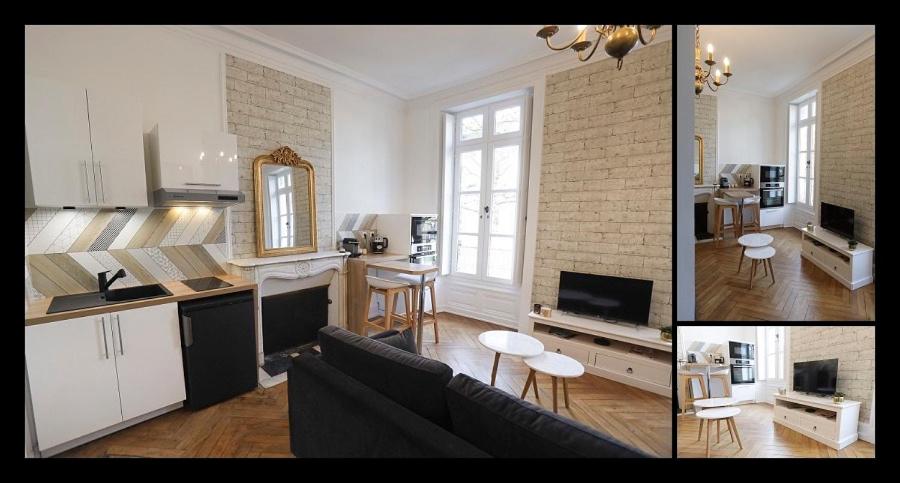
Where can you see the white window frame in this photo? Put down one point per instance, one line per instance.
(764, 371)
(806, 172)
(487, 143)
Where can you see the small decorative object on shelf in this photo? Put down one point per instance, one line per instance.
(665, 333)
(782, 390)
(537, 308)
(809, 226)
(838, 397)
(546, 312)
(851, 244)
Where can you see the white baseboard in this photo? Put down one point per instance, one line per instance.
(452, 309)
(867, 432)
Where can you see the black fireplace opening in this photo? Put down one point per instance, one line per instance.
(701, 231)
(290, 324)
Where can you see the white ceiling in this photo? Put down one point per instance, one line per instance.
(414, 60)
(768, 59)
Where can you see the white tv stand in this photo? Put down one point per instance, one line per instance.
(832, 424)
(853, 268)
(635, 356)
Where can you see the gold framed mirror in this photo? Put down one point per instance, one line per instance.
(698, 159)
(285, 194)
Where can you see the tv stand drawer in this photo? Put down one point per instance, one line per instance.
(633, 368)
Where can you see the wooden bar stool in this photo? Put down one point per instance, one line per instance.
(753, 205)
(685, 383)
(427, 317)
(723, 205)
(725, 378)
(390, 290)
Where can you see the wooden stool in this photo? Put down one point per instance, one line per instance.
(717, 415)
(556, 366)
(725, 377)
(757, 255)
(687, 389)
(427, 318)
(753, 204)
(723, 205)
(754, 240)
(390, 289)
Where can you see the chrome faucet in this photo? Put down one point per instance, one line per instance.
(103, 284)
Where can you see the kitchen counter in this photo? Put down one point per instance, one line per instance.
(358, 288)
(37, 309)
(380, 257)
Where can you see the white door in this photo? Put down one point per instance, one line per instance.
(58, 141)
(117, 139)
(72, 375)
(147, 347)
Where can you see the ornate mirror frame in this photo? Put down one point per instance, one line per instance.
(698, 178)
(287, 157)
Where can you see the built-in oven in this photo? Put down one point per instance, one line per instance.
(771, 195)
(423, 252)
(423, 229)
(771, 174)
(741, 351)
(743, 371)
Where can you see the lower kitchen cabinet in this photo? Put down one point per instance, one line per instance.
(89, 373)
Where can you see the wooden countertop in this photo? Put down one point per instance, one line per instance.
(37, 310)
(380, 257)
(406, 267)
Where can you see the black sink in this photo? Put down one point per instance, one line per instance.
(116, 296)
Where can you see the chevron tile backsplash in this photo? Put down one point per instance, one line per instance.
(66, 249)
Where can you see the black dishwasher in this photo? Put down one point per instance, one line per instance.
(218, 344)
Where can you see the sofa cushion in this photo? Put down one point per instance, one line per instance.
(401, 340)
(508, 427)
(415, 382)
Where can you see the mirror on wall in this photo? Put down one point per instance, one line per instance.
(285, 193)
(698, 159)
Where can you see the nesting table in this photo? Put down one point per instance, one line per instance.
(509, 343)
(556, 366)
(717, 414)
(756, 247)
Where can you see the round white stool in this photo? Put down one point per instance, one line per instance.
(509, 343)
(556, 366)
(718, 414)
(754, 240)
(713, 402)
(760, 255)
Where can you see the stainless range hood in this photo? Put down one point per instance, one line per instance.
(181, 197)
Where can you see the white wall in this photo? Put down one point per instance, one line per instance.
(683, 262)
(745, 133)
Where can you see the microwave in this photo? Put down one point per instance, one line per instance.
(741, 351)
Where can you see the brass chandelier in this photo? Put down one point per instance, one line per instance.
(620, 39)
(701, 77)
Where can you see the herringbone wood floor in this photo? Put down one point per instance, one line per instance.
(761, 439)
(802, 291)
(256, 424)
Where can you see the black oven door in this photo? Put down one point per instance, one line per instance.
(742, 374)
(771, 197)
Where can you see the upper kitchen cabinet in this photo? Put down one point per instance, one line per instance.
(188, 166)
(84, 147)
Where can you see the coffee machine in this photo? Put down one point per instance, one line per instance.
(379, 243)
(351, 245)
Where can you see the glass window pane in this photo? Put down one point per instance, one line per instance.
(506, 168)
(804, 111)
(503, 213)
(470, 171)
(500, 257)
(471, 127)
(812, 137)
(801, 190)
(804, 157)
(469, 209)
(812, 192)
(803, 138)
(507, 120)
(812, 165)
(282, 203)
(466, 254)
(813, 109)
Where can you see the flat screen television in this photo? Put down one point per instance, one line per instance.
(836, 219)
(616, 299)
(817, 377)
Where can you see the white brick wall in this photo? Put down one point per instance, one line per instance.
(847, 145)
(706, 125)
(606, 178)
(854, 347)
(268, 109)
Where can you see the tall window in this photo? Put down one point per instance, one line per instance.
(281, 201)
(804, 156)
(488, 168)
(770, 353)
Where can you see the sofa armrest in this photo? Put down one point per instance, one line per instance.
(334, 415)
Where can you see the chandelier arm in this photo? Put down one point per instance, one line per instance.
(640, 29)
(593, 49)
(563, 47)
(711, 86)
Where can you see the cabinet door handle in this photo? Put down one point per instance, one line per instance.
(630, 370)
(203, 184)
(105, 346)
(119, 325)
(187, 330)
(102, 190)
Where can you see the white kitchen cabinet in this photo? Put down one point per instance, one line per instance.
(58, 142)
(117, 140)
(84, 147)
(184, 159)
(773, 217)
(90, 373)
(147, 344)
(72, 376)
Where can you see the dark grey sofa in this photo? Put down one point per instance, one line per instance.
(374, 397)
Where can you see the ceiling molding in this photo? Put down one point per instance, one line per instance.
(851, 54)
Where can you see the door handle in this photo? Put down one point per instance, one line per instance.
(121, 346)
(187, 330)
(105, 346)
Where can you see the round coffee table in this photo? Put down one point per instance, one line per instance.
(754, 240)
(556, 366)
(708, 403)
(511, 344)
(717, 414)
(760, 255)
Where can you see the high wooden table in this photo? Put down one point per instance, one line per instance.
(418, 269)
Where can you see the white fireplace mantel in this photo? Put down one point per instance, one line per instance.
(274, 275)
